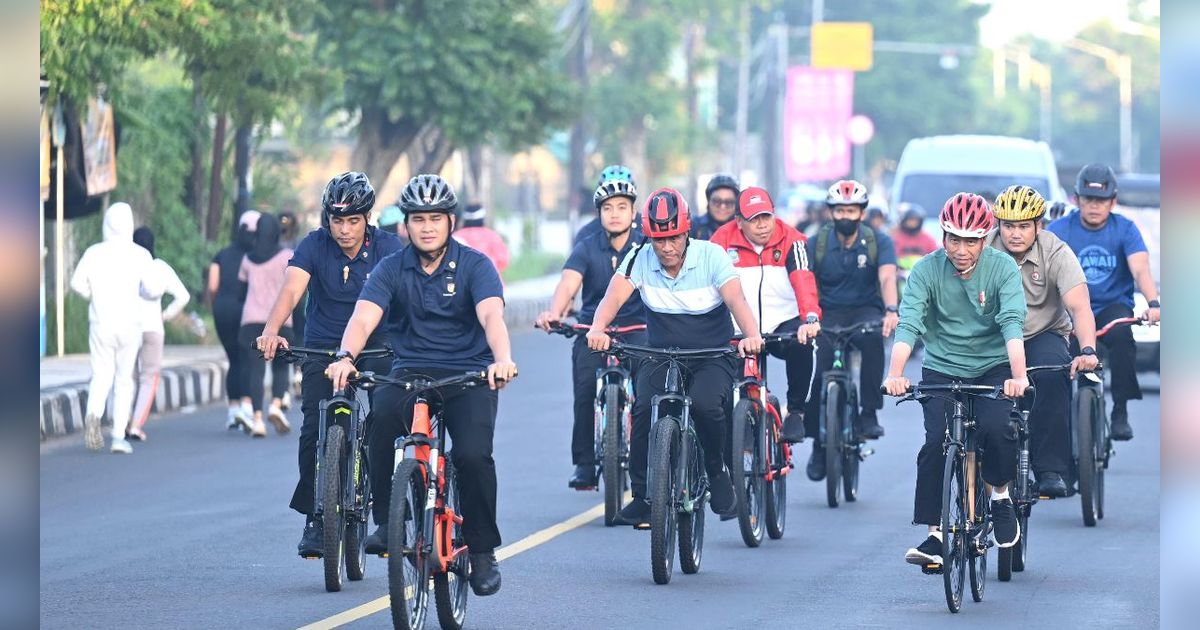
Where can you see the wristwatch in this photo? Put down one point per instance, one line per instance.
(343, 354)
(1087, 350)
(891, 309)
(1153, 304)
(811, 319)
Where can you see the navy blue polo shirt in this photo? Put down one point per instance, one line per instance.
(336, 281)
(845, 276)
(596, 260)
(432, 316)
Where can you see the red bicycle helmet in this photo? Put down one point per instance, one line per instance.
(665, 214)
(966, 215)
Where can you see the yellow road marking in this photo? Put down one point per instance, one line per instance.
(503, 553)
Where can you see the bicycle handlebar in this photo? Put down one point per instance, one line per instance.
(572, 330)
(1121, 321)
(994, 392)
(863, 327)
(1058, 368)
(367, 380)
(302, 353)
(771, 337)
(647, 352)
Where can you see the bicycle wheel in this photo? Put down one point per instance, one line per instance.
(614, 472)
(746, 470)
(954, 526)
(775, 496)
(977, 542)
(450, 589)
(1020, 550)
(691, 522)
(408, 562)
(1103, 444)
(833, 442)
(356, 528)
(850, 459)
(332, 518)
(1089, 469)
(664, 493)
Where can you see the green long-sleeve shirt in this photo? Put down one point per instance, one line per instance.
(964, 323)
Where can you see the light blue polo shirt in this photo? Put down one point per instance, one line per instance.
(686, 311)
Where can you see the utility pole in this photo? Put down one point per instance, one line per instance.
(743, 92)
(1121, 65)
(579, 73)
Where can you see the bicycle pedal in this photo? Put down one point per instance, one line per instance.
(865, 453)
(931, 569)
(642, 526)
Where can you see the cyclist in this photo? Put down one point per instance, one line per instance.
(446, 308)
(590, 267)
(909, 236)
(876, 219)
(596, 225)
(772, 262)
(689, 288)
(855, 267)
(1114, 257)
(332, 264)
(721, 194)
(391, 220)
(966, 301)
(1056, 294)
(472, 231)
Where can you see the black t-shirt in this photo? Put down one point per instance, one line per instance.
(228, 261)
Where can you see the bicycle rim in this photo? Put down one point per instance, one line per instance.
(408, 563)
(954, 523)
(333, 520)
(664, 493)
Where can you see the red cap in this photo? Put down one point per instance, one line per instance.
(754, 201)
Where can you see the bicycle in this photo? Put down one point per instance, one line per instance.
(966, 521)
(343, 485)
(761, 458)
(613, 420)
(678, 483)
(425, 499)
(844, 445)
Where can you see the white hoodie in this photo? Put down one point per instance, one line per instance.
(116, 274)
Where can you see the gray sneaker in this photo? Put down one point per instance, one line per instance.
(121, 445)
(91, 433)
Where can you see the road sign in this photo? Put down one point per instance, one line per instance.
(859, 130)
(817, 106)
(845, 45)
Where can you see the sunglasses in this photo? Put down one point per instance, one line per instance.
(723, 203)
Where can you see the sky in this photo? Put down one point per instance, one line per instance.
(1049, 19)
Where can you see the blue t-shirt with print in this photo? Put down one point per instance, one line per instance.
(1104, 255)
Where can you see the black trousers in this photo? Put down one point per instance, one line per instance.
(254, 368)
(870, 347)
(1121, 351)
(316, 387)
(470, 416)
(584, 364)
(227, 315)
(1050, 417)
(798, 363)
(709, 383)
(995, 438)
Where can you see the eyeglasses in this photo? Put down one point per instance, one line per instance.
(723, 203)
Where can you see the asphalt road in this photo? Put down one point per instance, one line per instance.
(193, 531)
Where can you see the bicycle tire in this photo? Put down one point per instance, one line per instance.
(850, 459)
(1021, 549)
(333, 520)
(833, 442)
(356, 529)
(746, 470)
(978, 541)
(776, 492)
(1103, 452)
(1085, 401)
(953, 529)
(408, 564)
(451, 589)
(614, 472)
(691, 523)
(663, 493)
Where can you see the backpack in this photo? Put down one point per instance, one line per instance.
(865, 235)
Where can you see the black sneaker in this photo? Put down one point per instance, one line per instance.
(1121, 431)
(636, 514)
(377, 542)
(816, 463)
(584, 477)
(869, 425)
(485, 574)
(1006, 529)
(1051, 484)
(312, 542)
(926, 553)
(722, 500)
(793, 427)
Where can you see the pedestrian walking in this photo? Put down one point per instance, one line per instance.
(263, 270)
(227, 294)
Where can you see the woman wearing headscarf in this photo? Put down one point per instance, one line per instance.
(152, 315)
(263, 270)
(228, 294)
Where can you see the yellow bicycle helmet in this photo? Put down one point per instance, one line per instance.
(1019, 203)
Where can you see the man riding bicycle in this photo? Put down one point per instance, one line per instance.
(445, 308)
(590, 267)
(721, 194)
(966, 302)
(1113, 256)
(1056, 294)
(689, 288)
(772, 263)
(332, 264)
(855, 267)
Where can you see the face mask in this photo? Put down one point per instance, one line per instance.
(846, 227)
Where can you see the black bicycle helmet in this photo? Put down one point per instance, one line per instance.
(347, 194)
(428, 193)
(1096, 180)
(721, 180)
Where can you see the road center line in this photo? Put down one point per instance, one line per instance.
(503, 553)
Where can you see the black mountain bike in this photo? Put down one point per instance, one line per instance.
(343, 492)
(844, 445)
(677, 483)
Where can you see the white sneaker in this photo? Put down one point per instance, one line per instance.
(121, 445)
(278, 420)
(231, 422)
(285, 402)
(91, 433)
(242, 419)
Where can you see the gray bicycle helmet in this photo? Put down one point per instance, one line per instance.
(428, 193)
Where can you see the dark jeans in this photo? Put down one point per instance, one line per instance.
(709, 383)
(584, 364)
(870, 347)
(995, 438)
(254, 368)
(227, 315)
(798, 362)
(470, 416)
(1050, 417)
(1121, 351)
(316, 387)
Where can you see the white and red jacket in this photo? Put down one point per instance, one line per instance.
(776, 279)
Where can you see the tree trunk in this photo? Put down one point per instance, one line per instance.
(195, 190)
(633, 151)
(430, 151)
(380, 143)
(216, 192)
(241, 169)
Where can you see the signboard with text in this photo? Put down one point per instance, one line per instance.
(817, 106)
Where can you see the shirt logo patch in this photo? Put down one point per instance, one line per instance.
(862, 261)
(1037, 277)
(733, 255)
(450, 288)
(777, 255)
(982, 299)
(1098, 264)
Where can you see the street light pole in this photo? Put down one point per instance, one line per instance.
(1121, 65)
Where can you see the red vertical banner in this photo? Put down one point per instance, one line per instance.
(817, 105)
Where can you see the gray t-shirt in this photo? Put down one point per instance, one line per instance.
(1049, 270)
